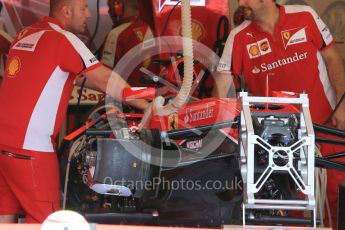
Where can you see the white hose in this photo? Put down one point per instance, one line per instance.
(183, 94)
(321, 191)
(74, 148)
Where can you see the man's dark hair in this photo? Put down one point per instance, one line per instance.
(0, 6)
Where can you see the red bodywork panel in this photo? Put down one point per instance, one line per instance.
(204, 112)
(198, 113)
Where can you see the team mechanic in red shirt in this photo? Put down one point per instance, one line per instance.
(293, 47)
(44, 61)
(127, 33)
(5, 43)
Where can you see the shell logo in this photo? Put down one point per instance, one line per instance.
(286, 35)
(254, 50)
(13, 67)
(198, 31)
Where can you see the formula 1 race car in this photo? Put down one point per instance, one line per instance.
(188, 168)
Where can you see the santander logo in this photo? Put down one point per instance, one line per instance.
(264, 67)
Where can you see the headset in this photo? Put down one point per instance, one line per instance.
(118, 8)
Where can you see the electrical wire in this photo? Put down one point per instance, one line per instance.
(329, 141)
(82, 86)
(75, 148)
(166, 26)
(328, 164)
(97, 24)
(220, 42)
(218, 49)
(167, 20)
(334, 156)
(335, 109)
(329, 130)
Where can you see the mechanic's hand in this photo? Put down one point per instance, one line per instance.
(338, 119)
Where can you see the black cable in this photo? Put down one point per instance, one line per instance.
(323, 163)
(225, 20)
(218, 48)
(77, 106)
(166, 25)
(97, 25)
(81, 92)
(220, 42)
(329, 141)
(329, 130)
(334, 156)
(335, 109)
(203, 89)
(96, 53)
(167, 20)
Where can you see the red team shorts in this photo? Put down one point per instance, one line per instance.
(29, 185)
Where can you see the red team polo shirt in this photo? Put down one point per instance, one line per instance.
(42, 65)
(123, 38)
(291, 57)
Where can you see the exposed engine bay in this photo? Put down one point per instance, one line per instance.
(120, 174)
(277, 161)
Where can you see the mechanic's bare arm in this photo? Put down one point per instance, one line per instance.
(336, 74)
(222, 84)
(110, 82)
(88, 83)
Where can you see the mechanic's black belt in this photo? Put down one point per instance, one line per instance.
(15, 155)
